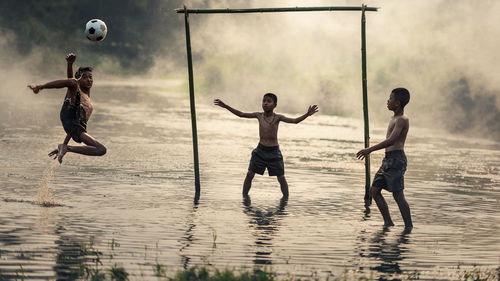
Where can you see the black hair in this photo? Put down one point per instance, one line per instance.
(81, 70)
(402, 95)
(272, 96)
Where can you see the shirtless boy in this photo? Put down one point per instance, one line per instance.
(62, 149)
(390, 176)
(267, 154)
(75, 112)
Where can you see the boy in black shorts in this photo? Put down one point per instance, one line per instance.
(390, 176)
(75, 112)
(267, 154)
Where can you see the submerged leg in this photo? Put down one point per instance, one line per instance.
(283, 185)
(247, 184)
(92, 147)
(404, 208)
(381, 204)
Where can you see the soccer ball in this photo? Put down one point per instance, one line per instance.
(96, 30)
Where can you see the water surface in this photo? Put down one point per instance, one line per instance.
(136, 204)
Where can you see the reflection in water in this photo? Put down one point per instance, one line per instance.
(265, 224)
(187, 237)
(141, 186)
(366, 213)
(388, 254)
(75, 258)
(70, 259)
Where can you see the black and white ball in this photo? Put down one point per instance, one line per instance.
(96, 30)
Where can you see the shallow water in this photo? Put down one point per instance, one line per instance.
(136, 204)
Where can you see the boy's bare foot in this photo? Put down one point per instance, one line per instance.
(62, 149)
(54, 153)
(388, 224)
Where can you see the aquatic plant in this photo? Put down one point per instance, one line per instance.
(92, 265)
(476, 274)
(118, 273)
(21, 269)
(214, 238)
(204, 274)
(160, 270)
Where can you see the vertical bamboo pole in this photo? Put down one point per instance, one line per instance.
(193, 108)
(368, 199)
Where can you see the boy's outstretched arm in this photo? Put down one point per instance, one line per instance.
(396, 132)
(57, 84)
(312, 109)
(234, 111)
(70, 59)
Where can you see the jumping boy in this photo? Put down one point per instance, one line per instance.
(267, 154)
(61, 150)
(390, 176)
(75, 112)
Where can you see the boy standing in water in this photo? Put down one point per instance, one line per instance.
(267, 154)
(390, 176)
(75, 112)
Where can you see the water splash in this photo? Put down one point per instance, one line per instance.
(45, 195)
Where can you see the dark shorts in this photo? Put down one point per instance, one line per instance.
(390, 176)
(74, 120)
(267, 157)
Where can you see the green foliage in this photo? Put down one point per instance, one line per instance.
(476, 274)
(89, 260)
(21, 270)
(118, 273)
(160, 270)
(466, 111)
(203, 274)
(137, 30)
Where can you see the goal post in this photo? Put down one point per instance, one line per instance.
(362, 8)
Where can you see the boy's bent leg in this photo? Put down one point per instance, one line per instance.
(381, 204)
(247, 184)
(404, 208)
(92, 148)
(283, 185)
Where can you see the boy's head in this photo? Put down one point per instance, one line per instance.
(399, 98)
(84, 75)
(269, 101)
(80, 71)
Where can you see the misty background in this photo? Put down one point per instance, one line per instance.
(445, 52)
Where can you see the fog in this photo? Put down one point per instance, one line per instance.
(444, 52)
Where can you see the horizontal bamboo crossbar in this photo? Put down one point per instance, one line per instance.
(273, 10)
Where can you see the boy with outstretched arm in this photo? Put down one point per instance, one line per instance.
(62, 149)
(76, 110)
(267, 154)
(390, 176)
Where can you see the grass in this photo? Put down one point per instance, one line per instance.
(477, 274)
(88, 264)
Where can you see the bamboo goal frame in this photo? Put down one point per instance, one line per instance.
(362, 8)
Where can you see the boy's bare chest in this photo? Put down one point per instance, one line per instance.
(86, 102)
(268, 123)
(391, 126)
